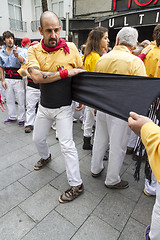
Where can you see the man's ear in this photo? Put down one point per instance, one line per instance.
(40, 30)
(117, 41)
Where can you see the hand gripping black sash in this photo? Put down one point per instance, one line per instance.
(115, 94)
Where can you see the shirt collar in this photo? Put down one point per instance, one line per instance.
(122, 48)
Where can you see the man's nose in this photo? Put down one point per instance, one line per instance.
(53, 34)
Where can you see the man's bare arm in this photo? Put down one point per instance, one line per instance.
(48, 77)
(2, 74)
(4, 84)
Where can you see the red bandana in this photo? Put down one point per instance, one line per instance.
(61, 44)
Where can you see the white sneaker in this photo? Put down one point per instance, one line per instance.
(75, 120)
(54, 127)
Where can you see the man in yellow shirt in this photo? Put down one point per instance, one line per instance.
(150, 135)
(51, 63)
(111, 131)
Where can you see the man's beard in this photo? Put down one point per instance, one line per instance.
(52, 45)
(10, 46)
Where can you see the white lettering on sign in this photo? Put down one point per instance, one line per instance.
(111, 22)
(157, 17)
(141, 18)
(125, 21)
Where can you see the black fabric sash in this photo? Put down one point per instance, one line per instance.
(12, 73)
(32, 84)
(115, 94)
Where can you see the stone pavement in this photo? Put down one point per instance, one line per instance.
(29, 207)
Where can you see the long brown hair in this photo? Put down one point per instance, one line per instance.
(93, 41)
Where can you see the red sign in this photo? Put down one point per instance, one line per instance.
(140, 3)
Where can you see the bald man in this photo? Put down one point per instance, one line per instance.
(52, 62)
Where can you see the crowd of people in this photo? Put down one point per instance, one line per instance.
(38, 77)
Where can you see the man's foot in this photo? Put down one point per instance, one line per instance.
(129, 151)
(9, 121)
(71, 194)
(121, 185)
(95, 175)
(28, 129)
(147, 233)
(42, 162)
(87, 143)
(21, 123)
(54, 127)
(74, 120)
(147, 194)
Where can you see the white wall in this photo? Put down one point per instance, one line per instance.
(4, 21)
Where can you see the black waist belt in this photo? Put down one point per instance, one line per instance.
(115, 94)
(32, 84)
(12, 73)
(56, 94)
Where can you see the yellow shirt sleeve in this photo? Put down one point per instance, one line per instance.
(32, 61)
(150, 134)
(23, 68)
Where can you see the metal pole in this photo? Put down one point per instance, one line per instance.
(67, 25)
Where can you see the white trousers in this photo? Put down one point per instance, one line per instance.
(2, 91)
(64, 124)
(15, 91)
(115, 131)
(151, 187)
(89, 121)
(77, 114)
(155, 222)
(32, 97)
(132, 140)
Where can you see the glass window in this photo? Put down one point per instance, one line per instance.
(11, 11)
(38, 9)
(37, 2)
(15, 11)
(55, 8)
(18, 13)
(58, 7)
(16, 2)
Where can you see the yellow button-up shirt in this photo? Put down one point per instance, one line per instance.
(54, 61)
(150, 134)
(121, 61)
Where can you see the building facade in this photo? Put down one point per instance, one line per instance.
(22, 16)
(114, 14)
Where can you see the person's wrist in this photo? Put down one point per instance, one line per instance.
(63, 73)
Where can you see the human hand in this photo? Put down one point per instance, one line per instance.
(15, 51)
(4, 85)
(75, 71)
(136, 121)
(80, 107)
(146, 51)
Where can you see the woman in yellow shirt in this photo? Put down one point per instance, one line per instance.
(97, 42)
